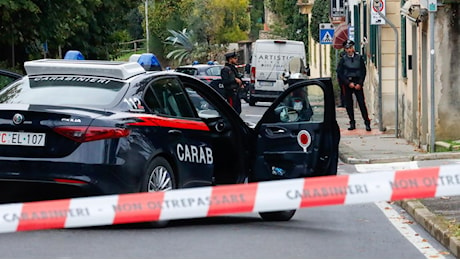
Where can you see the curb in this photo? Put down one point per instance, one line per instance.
(432, 223)
(346, 155)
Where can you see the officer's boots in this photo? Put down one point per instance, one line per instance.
(352, 125)
(368, 125)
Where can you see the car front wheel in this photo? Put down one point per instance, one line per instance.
(159, 177)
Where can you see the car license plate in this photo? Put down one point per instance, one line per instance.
(22, 138)
(266, 83)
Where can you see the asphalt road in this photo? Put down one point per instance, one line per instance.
(354, 231)
(363, 231)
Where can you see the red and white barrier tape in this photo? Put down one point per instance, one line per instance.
(231, 199)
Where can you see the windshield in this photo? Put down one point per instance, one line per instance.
(63, 90)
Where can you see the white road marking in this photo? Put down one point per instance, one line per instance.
(403, 226)
(249, 115)
(386, 166)
(399, 221)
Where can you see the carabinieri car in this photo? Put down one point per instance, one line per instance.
(82, 128)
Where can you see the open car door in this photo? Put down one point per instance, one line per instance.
(298, 136)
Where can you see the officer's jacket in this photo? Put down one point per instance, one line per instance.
(228, 74)
(351, 69)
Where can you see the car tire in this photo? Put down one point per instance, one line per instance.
(252, 102)
(333, 164)
(158, 177)
(284, 215)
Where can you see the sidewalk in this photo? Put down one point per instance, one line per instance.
(437, 215)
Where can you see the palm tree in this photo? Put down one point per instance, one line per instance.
(186, 49)
(182, 42)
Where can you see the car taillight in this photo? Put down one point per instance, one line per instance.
(253, 75)
(92, 133)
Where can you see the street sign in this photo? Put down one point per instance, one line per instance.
(351, 33)
(377, 5)
(338, 8)
(45, 47)
(431, 5)
(326, 33)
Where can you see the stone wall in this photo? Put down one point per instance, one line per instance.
(447, 72)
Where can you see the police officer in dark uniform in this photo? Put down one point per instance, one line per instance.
(351, 72)
(232, 81)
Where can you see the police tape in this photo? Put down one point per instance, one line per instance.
(231, 199)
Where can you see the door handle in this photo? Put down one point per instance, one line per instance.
(175, 132)
(275, 130)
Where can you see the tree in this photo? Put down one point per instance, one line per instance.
(319, 14)
(291, 23)
(257, 18)
(185, 48)
(164, 16)
(236, 23)
(211, 25)
(92, 26)
(183, 43)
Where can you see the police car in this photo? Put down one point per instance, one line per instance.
(81, 128)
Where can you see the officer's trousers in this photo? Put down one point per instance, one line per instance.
(235, 101)
(359, 94)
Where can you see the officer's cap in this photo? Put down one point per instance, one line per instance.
(230, 55)
(348, 43)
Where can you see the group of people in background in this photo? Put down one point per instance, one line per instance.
(351, 73)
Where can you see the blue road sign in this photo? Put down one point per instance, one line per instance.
(326, 35)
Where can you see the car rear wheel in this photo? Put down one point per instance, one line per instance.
(159, 177)
(284, 215)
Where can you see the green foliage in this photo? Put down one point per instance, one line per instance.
(291, 24)
(184, 48)
(96, 27)
(257, 18)
(183, 43)
(319, 14)
(211, 24)
(92, 26)
(134, 26)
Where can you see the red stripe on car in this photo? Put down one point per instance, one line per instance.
(171, 122)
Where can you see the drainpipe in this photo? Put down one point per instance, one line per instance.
(379, 68)
(432, 130)
(396, 70)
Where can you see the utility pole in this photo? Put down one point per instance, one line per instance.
(147, 41)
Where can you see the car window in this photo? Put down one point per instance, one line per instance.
(303, 104)
(189, 71)
(166, 97)
(6, 77)
(63, 90)
(202, 106)
(214, 71)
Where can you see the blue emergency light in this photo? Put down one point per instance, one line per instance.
(73, 55)
(150, 62)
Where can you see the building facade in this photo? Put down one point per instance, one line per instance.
(413, 82)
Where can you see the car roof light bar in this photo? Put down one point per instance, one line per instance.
(111, 69)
